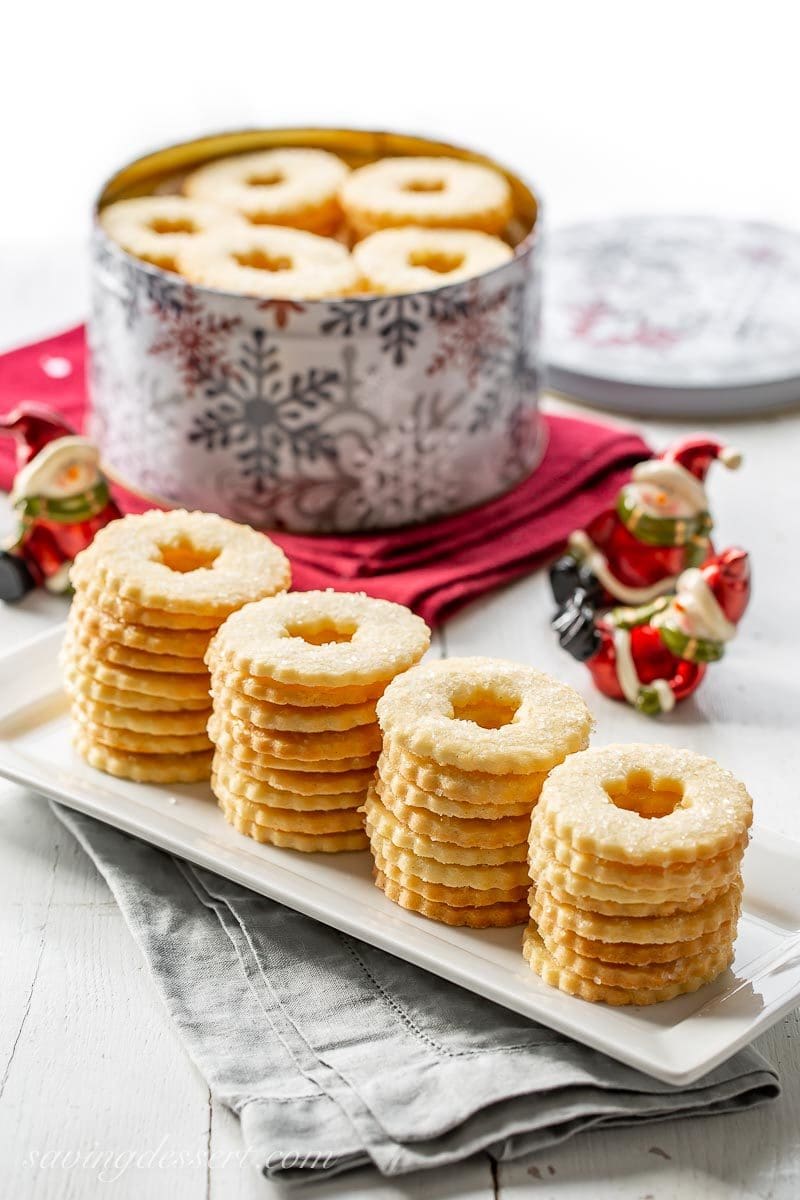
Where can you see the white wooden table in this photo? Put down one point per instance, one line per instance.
(89, 1060)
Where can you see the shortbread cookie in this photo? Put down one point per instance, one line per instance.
(396, 261)
(114, 655)
(439, 192)
(305, 783)
(127, 679)
(474, 876)
(443, 806)
(705, 871)
(142, 743)
(84, 687)
(483, 714)
(678, 927)
(380, 819)
(270, 260)
(288, 820)
(144, 768)
(96, 622)
(186, 562)
(307, 721)
(156, 228)
(544, 965)
(174, 724)
(244, 786)
(161, 621)
(257, 764)
(346, 743)
(487, 916)
(326, 639)
(501, 831)
(297, 695)
(294, 187)
(629, 908)
(552, 875)
(462, 787)
(630, 954)
(308, 843)
(236, 740)
(453, 897)
(637, 975)
(646, 804)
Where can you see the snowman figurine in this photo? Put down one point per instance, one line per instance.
(660, 525)
(657, 654)
(60, 499)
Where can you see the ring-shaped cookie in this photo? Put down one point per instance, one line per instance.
(157, 228)
(270, 261)
(295, 187)
(539, 958)
(440, 192)
(329, 638)
(381, 820)
(484, 714)
(189, 562)
(646, 804)
(464, 787)
(478, 831)
(395, 261)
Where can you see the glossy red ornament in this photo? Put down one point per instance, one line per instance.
(659, 526)
(657, 655)
(60, 500)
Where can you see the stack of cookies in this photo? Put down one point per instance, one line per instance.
(295, 681)
(150, 592)
(635, 856)
(467, 744)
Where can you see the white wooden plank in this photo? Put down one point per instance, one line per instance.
(96, 1067)
(234, 1180)
(747, 1157)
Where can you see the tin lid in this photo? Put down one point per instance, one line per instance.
(674, 316)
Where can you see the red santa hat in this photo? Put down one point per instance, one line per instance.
(682, 468)
(696, 455)
(727, 576)
(33, 426)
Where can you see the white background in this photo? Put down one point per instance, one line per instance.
(609, 107)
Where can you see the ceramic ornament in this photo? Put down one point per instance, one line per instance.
(60, 499)
(642, 597)
(656, 654)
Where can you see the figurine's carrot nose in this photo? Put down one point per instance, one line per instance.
(661, 498)
(72, 473)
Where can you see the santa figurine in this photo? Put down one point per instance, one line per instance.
(657, 654)
(60, 499)
(660, 525)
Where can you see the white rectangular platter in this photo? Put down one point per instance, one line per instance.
(676, 1041)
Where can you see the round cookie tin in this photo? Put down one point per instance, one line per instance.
(327, 415)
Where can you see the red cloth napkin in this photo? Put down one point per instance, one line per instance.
(433, 568)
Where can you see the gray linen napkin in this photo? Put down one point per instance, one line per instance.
(335, 1055)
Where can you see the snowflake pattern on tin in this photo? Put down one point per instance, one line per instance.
(196, 339)
(282, 426)
(413, 469)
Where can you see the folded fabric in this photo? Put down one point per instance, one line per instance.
(433, 568)
(335, 1055)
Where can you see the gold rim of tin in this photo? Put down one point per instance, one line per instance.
(356, 146)
(160, 173)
